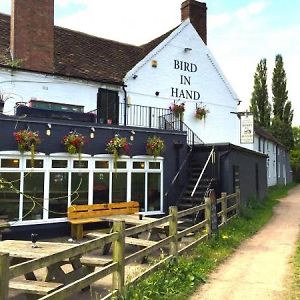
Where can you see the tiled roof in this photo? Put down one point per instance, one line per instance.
(266, 134)
(84, 56)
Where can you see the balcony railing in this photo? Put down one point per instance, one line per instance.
(150, 117)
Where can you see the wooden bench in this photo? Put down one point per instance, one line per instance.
(33, 286)
(78, 215)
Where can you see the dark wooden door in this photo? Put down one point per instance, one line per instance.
(107, 107)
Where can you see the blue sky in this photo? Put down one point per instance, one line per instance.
(240, 32)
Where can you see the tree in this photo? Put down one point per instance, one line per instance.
(260, 106)
(295, 154)
(283, 113)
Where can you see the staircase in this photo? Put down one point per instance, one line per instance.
(186, 200)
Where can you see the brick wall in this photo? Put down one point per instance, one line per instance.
(32, 34)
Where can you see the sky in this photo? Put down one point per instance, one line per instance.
(240, 33)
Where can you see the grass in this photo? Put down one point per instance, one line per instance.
(294, 291)
(178, 280)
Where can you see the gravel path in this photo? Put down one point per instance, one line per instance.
(260, 267)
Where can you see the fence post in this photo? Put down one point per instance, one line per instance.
(4, 275)
(224, 207)
(238, 201)
(208, 215)
(173, 230)
(118, 257)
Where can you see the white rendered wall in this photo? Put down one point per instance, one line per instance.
(23, 86)
(220, 125)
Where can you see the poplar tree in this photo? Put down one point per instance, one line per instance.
(282, 107)
(260, 106)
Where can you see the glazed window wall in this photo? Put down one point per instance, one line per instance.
(34, 195)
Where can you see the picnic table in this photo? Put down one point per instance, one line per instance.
(56, 277)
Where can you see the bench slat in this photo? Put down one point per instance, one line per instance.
(34, 287)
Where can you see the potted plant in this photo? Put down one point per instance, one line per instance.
(74, 143)
(27, 140)
(3, 98)
(201, 112)
(117, 146)
(177, 109)
(155, 146)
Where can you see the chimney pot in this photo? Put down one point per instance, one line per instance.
(196, 12)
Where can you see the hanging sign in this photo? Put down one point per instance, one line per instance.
(247, 130)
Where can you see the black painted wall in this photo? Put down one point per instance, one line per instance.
(176, 147)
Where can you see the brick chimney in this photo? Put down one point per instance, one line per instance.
(196, 12)
(32, 34)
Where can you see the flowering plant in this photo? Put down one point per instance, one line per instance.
(117, 146)
(155, 146)
(177, 109)
(201, 112)
(74, 143)
(27, 141)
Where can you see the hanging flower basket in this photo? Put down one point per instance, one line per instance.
(117, 146)
(74, 143)
(177, 109)
(155, 146)
(27, 140)
(201, 112)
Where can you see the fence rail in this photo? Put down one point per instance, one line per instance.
(228, 210)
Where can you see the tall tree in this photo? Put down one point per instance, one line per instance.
(282, 107)
(280, 93)
(260, 106)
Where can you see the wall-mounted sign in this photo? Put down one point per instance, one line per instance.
(247, 130)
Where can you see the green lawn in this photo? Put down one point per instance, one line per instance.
(179, 280)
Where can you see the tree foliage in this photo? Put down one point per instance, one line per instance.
(260, 106)
(283, 113)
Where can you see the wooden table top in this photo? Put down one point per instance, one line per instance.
(129, 219)
(23, 249)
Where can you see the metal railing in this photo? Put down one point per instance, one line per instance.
(211, 155)
(150, 117)
(172, 122)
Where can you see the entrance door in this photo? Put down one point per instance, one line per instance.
(107, 107)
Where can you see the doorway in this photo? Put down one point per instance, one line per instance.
(107, 107)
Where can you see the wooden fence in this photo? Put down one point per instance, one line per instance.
(228, 208)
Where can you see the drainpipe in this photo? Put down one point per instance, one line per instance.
(125, 104)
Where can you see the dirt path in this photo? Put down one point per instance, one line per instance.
(260, 267)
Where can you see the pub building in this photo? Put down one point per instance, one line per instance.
(56, 81)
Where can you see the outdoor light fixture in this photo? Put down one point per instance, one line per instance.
(132, 135)
(92, 133)
(156, 93)
(134, 76)
(48, 130)
(187, 49)
(154, 63)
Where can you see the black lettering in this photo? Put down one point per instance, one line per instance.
(181, 95)
(194, 68)
(196, 95)
(189, 94)
(185, 80)
(174, 92)
(176, 64)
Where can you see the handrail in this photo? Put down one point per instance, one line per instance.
(203, 170)
(179, 171)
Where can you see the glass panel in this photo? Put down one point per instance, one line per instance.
(33, 198)
(58, 195)
(138, 189)
(119, 187)
(101, 188)
(38, 163)
(154, 191)
(80, 164)
(59, 164)
(102, 164)
(154, 165)
(9, 199)
(79, 188)
(138, 165)
(120, 165)
(10, 163)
